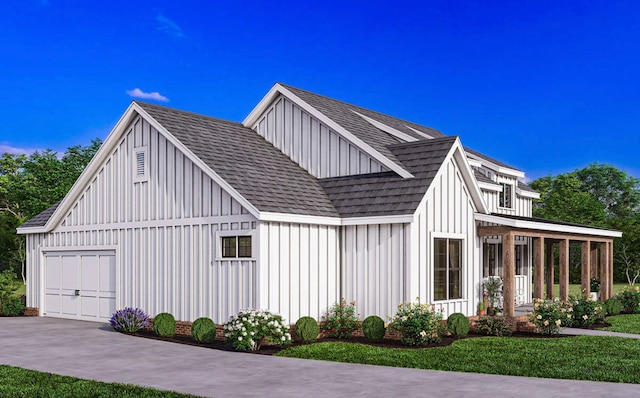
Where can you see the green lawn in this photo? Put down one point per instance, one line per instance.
(578, 358)
(624, 323)
(18, 383)
(576, 289)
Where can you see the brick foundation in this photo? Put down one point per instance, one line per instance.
(32, 311)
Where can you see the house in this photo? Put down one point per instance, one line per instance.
(308, 200)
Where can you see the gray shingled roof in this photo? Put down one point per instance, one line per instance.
(483, 178)
(494, 161)
(383, 194)
(525, 187)
(263, 175)
(41, 219)
(341, 113)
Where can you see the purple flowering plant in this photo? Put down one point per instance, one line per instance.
(129, 320)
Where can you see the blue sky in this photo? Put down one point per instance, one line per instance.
(545, 86)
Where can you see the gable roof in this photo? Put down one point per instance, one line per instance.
(41, 219)
(263, 175)
(384, 194)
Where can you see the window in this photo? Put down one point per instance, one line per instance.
(506, 196)
(140, 164)
(236, 246)
(447, 265)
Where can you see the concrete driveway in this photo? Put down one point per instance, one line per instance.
(94, 351)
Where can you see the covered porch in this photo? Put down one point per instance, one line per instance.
(596, 247)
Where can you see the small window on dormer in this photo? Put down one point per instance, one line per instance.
(506, 196)
(140, 165)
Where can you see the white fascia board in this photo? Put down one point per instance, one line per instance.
(498, 169)
(536, 225)
(387, 129)
(30, 230)
(527, 194)
(473, 162)
(85, 177)
(425, 135)
(469, 177)
(298, 218)
(335, 221)
(198, 162)
(250, 120)
(490, 187)
(399, 219)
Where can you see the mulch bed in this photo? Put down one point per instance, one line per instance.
(386, 343)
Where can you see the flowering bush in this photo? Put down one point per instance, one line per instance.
(585, 312)
(594, 284)
(419, 323)
(630, 299)
(341, 320)
(129, 320)
(247, 330)
(550, 315)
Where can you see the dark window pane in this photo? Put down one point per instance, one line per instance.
(440, 285)
(229, 246)
(244, 246)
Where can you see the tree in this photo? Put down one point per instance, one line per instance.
(29, 185)
(598, 195)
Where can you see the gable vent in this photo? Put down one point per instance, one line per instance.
(140, 164)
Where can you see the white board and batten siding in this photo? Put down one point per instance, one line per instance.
(164, 231)
(299, 269)
(447, 212)
(308, 142)
(375, 258)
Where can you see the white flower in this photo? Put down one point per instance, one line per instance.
(546, 323)
(283, 338)
(239, 338)
(585, 317)
(558, 322)
(539, 316)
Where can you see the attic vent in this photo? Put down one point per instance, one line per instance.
(140, 164)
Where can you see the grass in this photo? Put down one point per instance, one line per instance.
(624, 323)
(576, 289)
(577, 358)
(18, 383)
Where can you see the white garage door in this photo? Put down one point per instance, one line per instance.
(80, 285)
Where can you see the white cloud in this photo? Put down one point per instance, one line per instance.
(5, 148)
(156, 96)
(168, 26)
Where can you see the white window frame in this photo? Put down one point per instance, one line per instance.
(134, 169)
(502, 194)
(236, 232)
(463, 261)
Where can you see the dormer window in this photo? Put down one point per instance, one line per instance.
(506, 196)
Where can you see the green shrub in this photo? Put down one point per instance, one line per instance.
(373, 328)
(250, 328)
(419, 323)
(630, 299)
(12, 306)
(458, 324)
(307, 328)
(8, 284)
(164, 324)
(586, 312)
(493, 326)
(203, 330)
(613, 306)
(341, 320)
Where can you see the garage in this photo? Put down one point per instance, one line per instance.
(80, 285)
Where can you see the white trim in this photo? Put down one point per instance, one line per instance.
(396, 219)
(387, 129)
(298, 218)
(527, 194)
(537, 225)
(474, 162)
(425, 135)
(499, 169)
(253, 233)
(463, 266)
(97, 249)
(252, 118)
(159, 223)
(489, 186)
